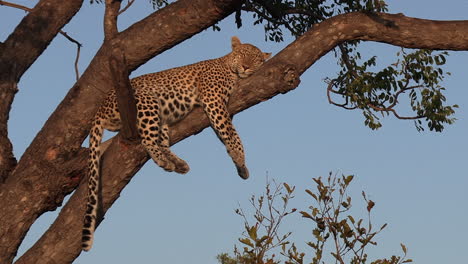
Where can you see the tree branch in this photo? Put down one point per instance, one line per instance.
(17, 6)
(13, 64)
(44, 163)
(78, 49)
(129, 3)
(330, 100)
(125, 98)
(110, 19)
(78, 44)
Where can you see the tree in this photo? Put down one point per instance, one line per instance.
(59, 157)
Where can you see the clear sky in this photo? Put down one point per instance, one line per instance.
(418, 180)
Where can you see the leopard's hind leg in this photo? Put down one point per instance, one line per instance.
(152, 135)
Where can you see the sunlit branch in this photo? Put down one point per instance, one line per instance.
(110, 19)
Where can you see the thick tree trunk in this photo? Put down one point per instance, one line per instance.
(53, 149)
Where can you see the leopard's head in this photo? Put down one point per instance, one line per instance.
(246, 58)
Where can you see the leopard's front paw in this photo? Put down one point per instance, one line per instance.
(182, 167)
(167, 165)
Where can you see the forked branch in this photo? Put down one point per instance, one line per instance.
(63, 33)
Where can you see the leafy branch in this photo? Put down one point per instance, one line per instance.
(299, 16)
(335, 230)
(264, 236)
(417, 73)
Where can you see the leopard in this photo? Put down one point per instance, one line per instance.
(164, 98)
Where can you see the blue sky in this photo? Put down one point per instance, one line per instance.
(418, 180)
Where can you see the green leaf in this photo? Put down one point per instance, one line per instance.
(253, 232)
(348, 179)
(261, 240)
(312, 194)
(306, 215)
(288, 189)
(403, 247)
(246, 241)
(315, 211)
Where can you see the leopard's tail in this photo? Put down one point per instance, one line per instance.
(93, 205)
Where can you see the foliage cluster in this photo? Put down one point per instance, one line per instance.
(299, 16)
(334, 230)
(418, 72)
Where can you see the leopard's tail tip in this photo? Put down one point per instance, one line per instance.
(87, 240)
(243, 172)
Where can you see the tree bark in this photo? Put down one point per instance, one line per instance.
(51, 150)
(42, 178)
(19, 51)
(125, 99)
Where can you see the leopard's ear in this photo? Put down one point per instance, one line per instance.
(266, 55)
(235, 42)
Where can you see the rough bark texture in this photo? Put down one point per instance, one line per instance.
(30, 38)
(50, 150)
(40, 180)
(125, 98)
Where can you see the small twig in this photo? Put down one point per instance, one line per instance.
(384, 109)
(17, 6)
(330, 100)
(402, 91)
(78, 48)
(27, 9)
(129, 3)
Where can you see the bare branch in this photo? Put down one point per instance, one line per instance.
(78, 45)
(129, 3)
(394, 112)
(330, 100)
(78, 48)
(25, 8)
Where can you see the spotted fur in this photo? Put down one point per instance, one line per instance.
(164, 98)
